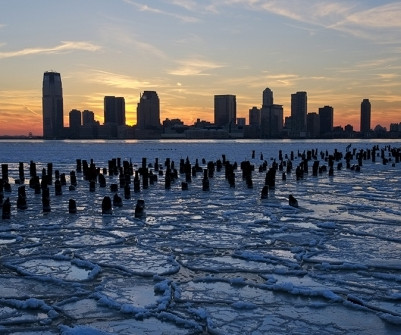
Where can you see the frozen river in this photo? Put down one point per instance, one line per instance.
(217, 261)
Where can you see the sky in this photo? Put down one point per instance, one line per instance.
(339, 52)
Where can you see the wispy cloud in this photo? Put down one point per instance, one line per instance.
(117, 80)
(386, 16)
(146, 8)
(379, 23)
(15, 96)
(189, 5)
(389, 76)
(321, 13)
(355, 17)
(66, 46)
(20, 111)
(194, 67)
(262, 80)
(123, 37)
(352, 17)
(282, 80)
(31, 110)
(148, 48)
(377, 63)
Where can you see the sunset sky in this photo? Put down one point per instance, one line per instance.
(339, 52)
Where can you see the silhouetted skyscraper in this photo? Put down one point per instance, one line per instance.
(148, 111)
(298, 114)
(365, 116)
(313, 124)
(52, 106)
(88, 118)
(326, 119)
(254, 117)
(114, 110)
(225, 110)
(120, 111)
(267, 97)
(75, 123)
(90, 127)
(271, 121)
(271, 116)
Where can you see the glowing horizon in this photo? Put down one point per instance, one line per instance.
(338, 52)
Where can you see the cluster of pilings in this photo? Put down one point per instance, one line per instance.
(329, 163)
(42, 183)
(130, 179)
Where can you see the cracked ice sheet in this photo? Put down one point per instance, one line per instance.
(132, 259)
(305, 260)
(239, 308)
(127, 326)
(32, 287)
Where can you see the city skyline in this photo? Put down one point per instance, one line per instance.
(266, 122)
(338, 52)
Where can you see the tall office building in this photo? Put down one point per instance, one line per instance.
(365, 116)
(298, 114)
(271, 116)
(75, 118)
(90, 127)
(271, 121)
(75, 123)
(120, 111)
(88, 118)
(267, 97)
(225, 110)
(114, 110)
(326, 119)
(254, 117)
(52, 106)
(148, 111)
(313, 124)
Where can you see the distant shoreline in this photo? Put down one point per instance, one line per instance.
(20, 137)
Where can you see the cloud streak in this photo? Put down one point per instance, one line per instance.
(148, 48)
(117, 80)
(189, 5)
(183, 18)
(194, 67)
(356, 18)
(386, 16)
(351, 17)
(31, 111)
(66, 46)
